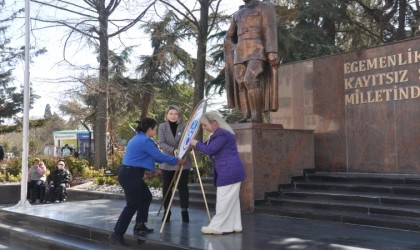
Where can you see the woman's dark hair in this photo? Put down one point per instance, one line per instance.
(145, 123)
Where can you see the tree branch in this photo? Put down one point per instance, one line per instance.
(91, 4)
(214, 18)
(123, 20)
(78, 6)
(68, 26)
(61, 8)
(111, 10)
(65, 45)
(195, 21)
(362, 27)
(110, 5)
(128, 26)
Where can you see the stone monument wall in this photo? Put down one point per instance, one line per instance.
(364, 107)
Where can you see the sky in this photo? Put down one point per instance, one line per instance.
(48, 72)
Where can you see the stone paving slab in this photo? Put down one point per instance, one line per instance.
(259, 231)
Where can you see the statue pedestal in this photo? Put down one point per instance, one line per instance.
(271, 156)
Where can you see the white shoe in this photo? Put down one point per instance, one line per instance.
(38, 201)
(207, 230)
(237, 230)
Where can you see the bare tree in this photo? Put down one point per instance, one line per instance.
(91, 20)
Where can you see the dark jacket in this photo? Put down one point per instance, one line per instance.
(222, 149)
(59, 177)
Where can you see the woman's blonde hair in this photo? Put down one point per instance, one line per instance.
(177, 109)
(212, 117)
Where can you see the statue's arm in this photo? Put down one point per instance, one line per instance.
(269, 28)
(274, 59)
(231, 33)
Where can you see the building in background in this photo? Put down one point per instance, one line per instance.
(76, 139)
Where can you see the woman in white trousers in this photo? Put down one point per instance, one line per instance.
(228, 170)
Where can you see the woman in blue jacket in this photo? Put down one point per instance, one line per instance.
(140, 155)
(229, 172)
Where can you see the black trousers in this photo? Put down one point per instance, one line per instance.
(137, 196)
(184, 194)
(57, 192)
(35, 186)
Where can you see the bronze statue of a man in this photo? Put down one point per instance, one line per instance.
(252, 61)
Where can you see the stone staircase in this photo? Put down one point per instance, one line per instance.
(381, 200)
(196, 195)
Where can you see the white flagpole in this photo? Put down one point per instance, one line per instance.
(25, 140)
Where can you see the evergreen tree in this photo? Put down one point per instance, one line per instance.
(169, 62)
(11, 98)
(47, 112)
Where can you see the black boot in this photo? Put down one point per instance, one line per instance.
(185, 217)
(118, 239)
(140, 227)
(168, 218)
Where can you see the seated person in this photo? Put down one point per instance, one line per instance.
(65, 165)
(36, 178)
(58, 180)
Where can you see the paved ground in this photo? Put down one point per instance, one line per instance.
(259, 232)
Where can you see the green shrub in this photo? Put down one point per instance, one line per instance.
(115, 163)
(205, 167)
(155, 182)
(111, 181)
(101, 180)
(98, 173)
(14, 166)
(14, 178)
(153, 178)
(86, 173)
(76, 165)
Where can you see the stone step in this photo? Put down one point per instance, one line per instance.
(355, 175)
(359, 207)
(384, 179)
(206, 180)
(20, 238)
(376, 220)
(206, 186)
(196, 195)
(408, 201)
(197, 202)
(32, 230)
(362, 188)
(384, 200)
(210, 194)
